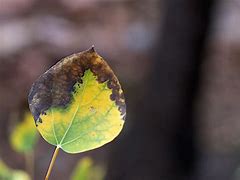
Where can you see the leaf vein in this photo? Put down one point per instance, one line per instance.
(74, 115)
(90, 129)
(53, 127)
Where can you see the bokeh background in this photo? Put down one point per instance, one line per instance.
(178, 62)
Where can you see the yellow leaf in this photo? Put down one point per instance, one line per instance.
(9, 174)
(24, 136)
(86, 170)
(78, 104)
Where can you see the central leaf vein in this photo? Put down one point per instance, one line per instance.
(77, 109)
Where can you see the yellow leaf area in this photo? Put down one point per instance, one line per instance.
(86, 169)
(24, 135)
(9, 174)
(89, 121)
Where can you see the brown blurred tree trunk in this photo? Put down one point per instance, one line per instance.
(159, 138)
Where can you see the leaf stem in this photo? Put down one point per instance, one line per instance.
(52, 163)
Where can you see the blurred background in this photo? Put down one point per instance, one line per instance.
(179, 65)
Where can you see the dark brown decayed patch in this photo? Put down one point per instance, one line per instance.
(54, 87)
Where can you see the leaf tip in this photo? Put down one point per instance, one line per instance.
(91, 49)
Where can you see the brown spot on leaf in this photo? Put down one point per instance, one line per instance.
(54, 88)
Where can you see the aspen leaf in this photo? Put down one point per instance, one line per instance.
(24, 135)
(87, 170)
(9, 174)
(78, 104)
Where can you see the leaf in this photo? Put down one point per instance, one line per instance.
(24, 136)
(19, 175)
(86, 170)
(78, 104)
(8, 174)
(83, 169)
(4, 170)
